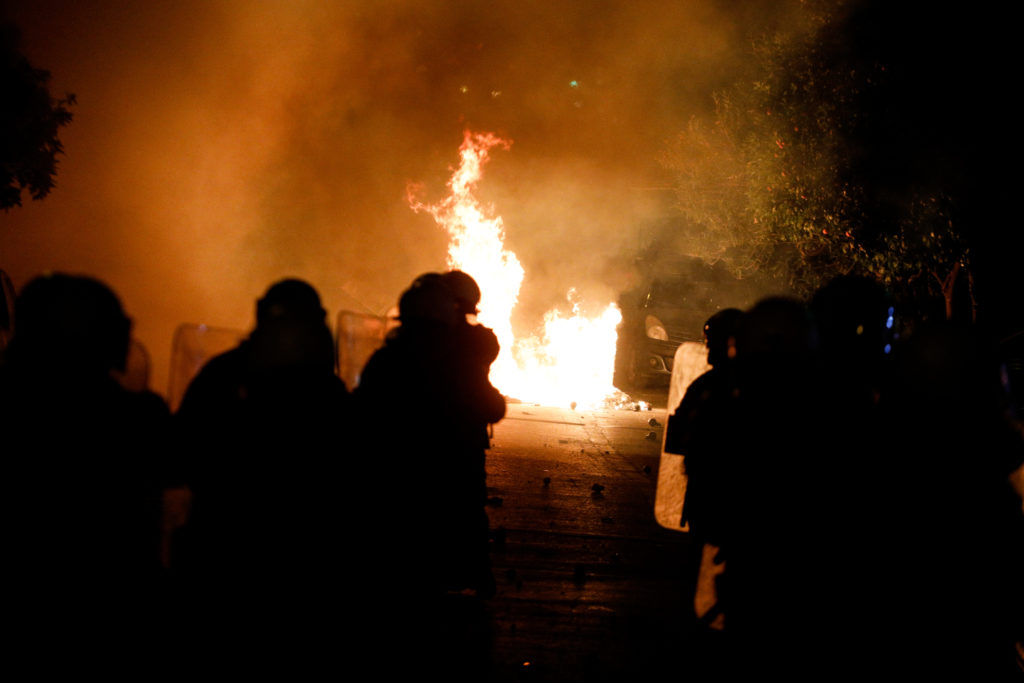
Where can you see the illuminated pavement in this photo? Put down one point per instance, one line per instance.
(590, 588)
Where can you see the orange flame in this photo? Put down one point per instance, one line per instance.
(571, 359)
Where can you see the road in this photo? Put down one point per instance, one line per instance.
(590, 587)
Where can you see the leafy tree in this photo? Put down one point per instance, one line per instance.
(838, 152)
(30, 120)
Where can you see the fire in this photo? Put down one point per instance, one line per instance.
(570, 358)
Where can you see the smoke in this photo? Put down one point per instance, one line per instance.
(220, 145)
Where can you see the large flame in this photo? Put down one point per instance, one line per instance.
(570, 358)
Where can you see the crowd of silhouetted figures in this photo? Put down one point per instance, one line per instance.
(854, 492)
(855, 487)
(276, 518)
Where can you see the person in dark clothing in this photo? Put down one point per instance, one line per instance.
(766, 460)
(953, 533)
(264, 516)
(865, 511)
(446, 402)
(694, 429)
(424, 403)
(478, 343)
(290, 344)
(479, 347)
(697, 429)
(855, 322)
(84, 467)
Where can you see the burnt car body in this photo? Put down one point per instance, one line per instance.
(666, 314)
(669, 310)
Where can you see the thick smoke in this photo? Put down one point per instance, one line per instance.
(220, 145)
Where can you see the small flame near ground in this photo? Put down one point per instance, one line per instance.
(569, 360)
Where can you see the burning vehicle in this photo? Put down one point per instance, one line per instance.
(669, 310)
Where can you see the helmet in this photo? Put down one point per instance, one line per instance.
(719, 329)
(74, 320)
(428, 299)
(464, 289)
(289, 297)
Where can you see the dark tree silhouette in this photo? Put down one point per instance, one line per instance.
(863, 140)
(30, 120)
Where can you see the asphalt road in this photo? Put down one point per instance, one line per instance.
(590, 587)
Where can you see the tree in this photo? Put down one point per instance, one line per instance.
(30, 120)
(842, 149)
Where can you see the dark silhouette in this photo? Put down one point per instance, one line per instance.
(424, 403)
(762, 514)
(30, 122)
(478, 343)
(954, 529)
(433, 363)
(856, 325)
(479, 347)
(6, 311)
(698, 430)
(261, 549)
(84, 467)
(798, 559)
(863, 506)
(694, 429)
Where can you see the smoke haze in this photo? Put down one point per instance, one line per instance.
(220, 145)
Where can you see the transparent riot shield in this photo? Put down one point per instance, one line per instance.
(193, 346)
(690, 362)
(357, 336)
(135, 376)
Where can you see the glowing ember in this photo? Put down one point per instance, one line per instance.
(571, 358)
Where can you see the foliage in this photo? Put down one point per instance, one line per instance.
(30, 120)
(812, 165)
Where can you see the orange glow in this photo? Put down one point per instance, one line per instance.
(570, 357)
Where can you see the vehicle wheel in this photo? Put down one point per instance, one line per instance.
(628, 373)
(624, 373)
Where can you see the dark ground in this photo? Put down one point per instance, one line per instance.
(590, 587)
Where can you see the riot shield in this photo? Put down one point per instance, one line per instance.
(357, 336)
(690, 362)
(135, 376)
(193, 346)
